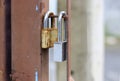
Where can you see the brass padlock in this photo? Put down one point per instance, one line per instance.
(45, 38)
(54, 33)
(46, 31)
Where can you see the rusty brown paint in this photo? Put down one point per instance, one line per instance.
(0, 3)
(2, 45)
(1, 76)
(27, 55)
(68, 6)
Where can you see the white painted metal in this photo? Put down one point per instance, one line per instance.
(52, 65)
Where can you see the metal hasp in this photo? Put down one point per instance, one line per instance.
(60, 50)
(46, 31)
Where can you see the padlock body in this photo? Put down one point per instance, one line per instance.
(60, 51)
(54, 36)
(45, 38)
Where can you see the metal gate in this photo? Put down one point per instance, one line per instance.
(20, 26)
(21, 55)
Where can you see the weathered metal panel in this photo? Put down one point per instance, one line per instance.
(27, 56)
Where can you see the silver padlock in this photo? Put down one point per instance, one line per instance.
(60, 50)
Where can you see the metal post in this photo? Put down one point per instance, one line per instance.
(52, 65)
(68, 6)
(5, 40)
(27, 55)
(2, 42)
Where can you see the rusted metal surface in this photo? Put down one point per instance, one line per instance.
(27, 55)
(68, 6)
(2, 42)
(1, 4)
(5, 41)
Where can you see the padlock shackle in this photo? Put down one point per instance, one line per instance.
(46, 19)
(61, 15)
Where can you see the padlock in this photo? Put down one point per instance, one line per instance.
(54, 32)
(46, 31)
(60, 47)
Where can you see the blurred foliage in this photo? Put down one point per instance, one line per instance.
(108, 33)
